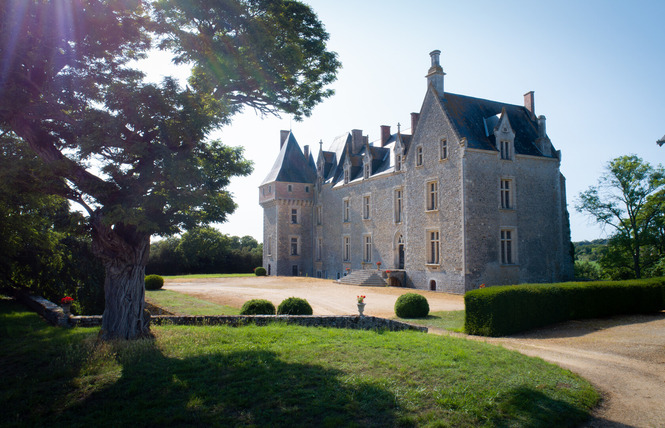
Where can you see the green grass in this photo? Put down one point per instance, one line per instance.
(182, 304)
(274, 376)
(445, 320)
(208, 275)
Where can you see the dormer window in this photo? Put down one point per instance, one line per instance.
(505, 148)
(398, 162)
(346, 175)
(367, 171)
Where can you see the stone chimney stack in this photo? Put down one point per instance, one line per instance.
(356, 140)
(542, 127)
(414, 122)
(283, 135)
(306, 151)
(543, 142)
(530, 103)
(385, 134)
(435, 73)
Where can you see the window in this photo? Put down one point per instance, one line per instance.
(294, 215)
(505, 150)
(319, 248)
(398, 205)
(367, 253)
(507, 247)
(306, 189)
(346, 175)
(294, 246)
(347, 248)
(319, 214)
(432, 195)
(433, 247)
(347, 210)
(366, 207)
(419, 156)
(506, 201)
(443, 149)
(367, 170)
(289, 188)
(269, 188)
(398, 162)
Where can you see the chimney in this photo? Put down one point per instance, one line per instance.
(306, 152)
(356, 141)
(414, 122)
(529, 102)
(435, 73)
(542, 130)
(283, 135)
(543, 142)
(385, 134)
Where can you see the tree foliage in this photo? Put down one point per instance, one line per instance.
(629, 197)
(135, 155)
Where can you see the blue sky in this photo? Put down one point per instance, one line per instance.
(597, 69)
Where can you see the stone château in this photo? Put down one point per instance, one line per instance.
(472, 195)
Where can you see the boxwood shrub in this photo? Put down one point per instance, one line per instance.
(258, 307)
(503, 310)
(294, 306)
(153, 282)
(260, 271)
(411, 305)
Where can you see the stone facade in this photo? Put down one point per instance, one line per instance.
(472, 195)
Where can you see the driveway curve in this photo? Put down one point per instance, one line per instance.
(624, 357)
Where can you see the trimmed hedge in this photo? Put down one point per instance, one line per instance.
(504, 310)
(153, 282)
(258, 307)
(294, 306)
(411, 305)
(260, 271)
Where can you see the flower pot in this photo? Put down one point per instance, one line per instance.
(361, 308)
(66, 308)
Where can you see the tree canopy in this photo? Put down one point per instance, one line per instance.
(136, 155)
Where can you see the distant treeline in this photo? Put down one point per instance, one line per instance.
(204, 250)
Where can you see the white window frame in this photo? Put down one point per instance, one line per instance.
(346, 210)
(507, 193)
(367, 207)
(508, 246)
(367, 248)
(346, 248)
(432, 195)
(433, 240)
(398, 198)
(419, 156)
(443, 149)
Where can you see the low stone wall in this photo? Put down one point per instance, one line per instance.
(54, 315)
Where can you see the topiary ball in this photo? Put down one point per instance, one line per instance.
(294, 306)
(411, 305)
(153, 282)
(260, 271)
(258, 307)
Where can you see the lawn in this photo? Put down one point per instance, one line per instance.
(274, 376)
(182, 304)
(445, 320)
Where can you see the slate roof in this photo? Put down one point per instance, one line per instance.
(661, 141)
(291, 165)
(468, 115)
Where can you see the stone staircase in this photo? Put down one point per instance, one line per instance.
(363, 277)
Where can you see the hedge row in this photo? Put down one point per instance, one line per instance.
(503, 310)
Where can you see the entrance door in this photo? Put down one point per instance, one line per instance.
(294, 270)
(401, 256)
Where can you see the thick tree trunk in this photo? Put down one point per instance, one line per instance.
(124, 252)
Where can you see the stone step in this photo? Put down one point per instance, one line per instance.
(363, 277)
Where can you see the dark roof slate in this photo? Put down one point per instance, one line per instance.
(291, 165)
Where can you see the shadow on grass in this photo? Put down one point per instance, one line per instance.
(251, 388)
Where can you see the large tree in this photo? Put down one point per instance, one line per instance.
(134, 155)
(628, 198)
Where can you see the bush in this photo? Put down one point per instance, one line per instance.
(294, 306)
(499, 311)
(411, 305)
(153, 282)
(260, 271)
(258, 307)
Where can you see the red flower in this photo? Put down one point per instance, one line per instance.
(387, 271)
(66, 300)
(482, 286)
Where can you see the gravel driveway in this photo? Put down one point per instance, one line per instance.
(624, 357)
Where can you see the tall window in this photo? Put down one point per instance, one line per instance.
(347, 210)
(398, 205)
(432, 195)
(347, 248)
(433, 247)
(306, 189)
(506, 202)
(367, 256)
(507, 247)
(419, 156)
(505, 150)
(319, 248)
(346, 175)
(366, 207)
(289, 188)
(398, 162)
(294, 215)
(443, 149)
(367, 170)
(294, 246)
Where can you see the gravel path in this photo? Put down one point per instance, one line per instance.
(624, 357)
